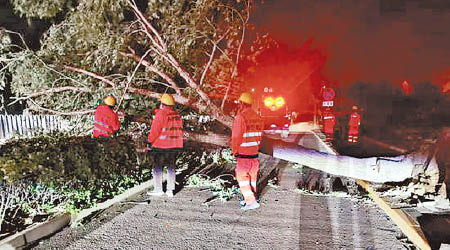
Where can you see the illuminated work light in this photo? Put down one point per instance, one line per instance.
(274, 104)
(279, 102)
(268, 102)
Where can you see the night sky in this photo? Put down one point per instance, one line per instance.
(340, 42)
(368, 40)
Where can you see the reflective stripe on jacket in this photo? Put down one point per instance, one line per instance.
(166, 130)
(329, 121)
(246, 133)
(106, 121)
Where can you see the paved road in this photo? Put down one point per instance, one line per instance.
(286, 220)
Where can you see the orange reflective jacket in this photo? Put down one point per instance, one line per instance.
(246, 135)
(106, 121)
(355, 119)
(329, 121)
(166, 130)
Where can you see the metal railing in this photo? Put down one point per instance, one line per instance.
(27, 125)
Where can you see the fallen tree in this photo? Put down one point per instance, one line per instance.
(403, 180)
(374, 169)
(422, 174)
(134, 50)
(305, 149)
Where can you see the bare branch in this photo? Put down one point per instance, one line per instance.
(21, 38)
(234, 72)
(148, 93)
(208, 64)
(36, 107)
(167, 56)
(49, 91)
(244, 22)
(183, 73)
(131, 78)
(161, 45)
(54, 70)
(178, 98)
(223, 53)
(96, 76)
(153, 69)
(211, 57)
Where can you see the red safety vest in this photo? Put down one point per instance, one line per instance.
(106, 121)
(166, 130)
(355, 119)
(329, 121)
(246, 133)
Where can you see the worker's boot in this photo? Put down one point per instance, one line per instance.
(155, 193)
(242, 201)
(254, 205)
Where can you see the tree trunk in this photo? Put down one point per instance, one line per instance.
(373, 169)
(209, 138)
(297, 149)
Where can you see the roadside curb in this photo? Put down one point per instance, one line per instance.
(130, 192)
(52, 226)
(35, 232)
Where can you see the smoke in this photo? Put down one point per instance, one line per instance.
(364, 42)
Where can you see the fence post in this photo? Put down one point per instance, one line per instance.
(39, 123)
(56, 123)
(28, 125)
(2, 127)
(19, 124)
(9, 122)
(24, 125)
(52, 122)
(59, 123)
(35, 124)
(49, 123)
(45, 123)
(13, 125)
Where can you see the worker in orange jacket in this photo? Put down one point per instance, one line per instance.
(106, 121)
(329, 121)
(165, 140)
(353, 125)
(246, 137)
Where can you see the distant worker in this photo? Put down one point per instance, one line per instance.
(246, 137)
(353, 125)
(329, 121)
(106, 121)
(165, 140)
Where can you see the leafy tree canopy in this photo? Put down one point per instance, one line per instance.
(133, 50)
(39, 9)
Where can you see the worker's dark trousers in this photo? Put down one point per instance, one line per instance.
(164, 158)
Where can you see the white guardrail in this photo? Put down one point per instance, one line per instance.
(28, 125)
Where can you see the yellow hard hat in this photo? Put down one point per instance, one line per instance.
(167, 99)
(355, 107)
(246, 98)
(110, 100)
